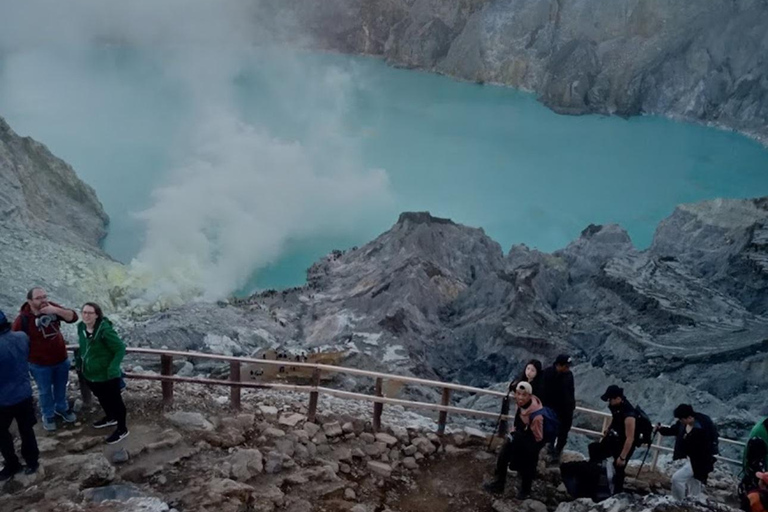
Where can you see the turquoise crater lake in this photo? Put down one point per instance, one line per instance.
(484, 156)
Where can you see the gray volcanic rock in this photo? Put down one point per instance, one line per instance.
(50, 227)
(681, 321)
(700, 61)
(43, 193)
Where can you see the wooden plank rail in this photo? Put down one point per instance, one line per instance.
(235, 383)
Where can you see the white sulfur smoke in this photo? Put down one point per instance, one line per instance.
(236, 193)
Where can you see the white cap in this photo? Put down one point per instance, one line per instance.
(524, 386)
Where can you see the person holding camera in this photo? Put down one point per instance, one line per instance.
(40, 320)
(99, 358)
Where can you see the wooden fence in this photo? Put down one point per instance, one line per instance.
(168, 379)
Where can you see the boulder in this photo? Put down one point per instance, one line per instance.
(245, 464)
(379, 468)
(189, 420)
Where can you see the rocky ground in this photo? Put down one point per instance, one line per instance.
(199, 455)
(699, 61)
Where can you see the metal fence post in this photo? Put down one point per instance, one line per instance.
(656, 451)
(166, 368)
(378, 407)
(234, 391)
(443, 417)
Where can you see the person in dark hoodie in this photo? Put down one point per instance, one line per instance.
(559, 395)
(693, 432)
(16, 402)
(531, 374)
(99, 358)
(523, 445)
(41, 319)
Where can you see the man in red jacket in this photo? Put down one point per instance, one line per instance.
(48, 359)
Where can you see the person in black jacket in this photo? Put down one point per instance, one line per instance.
(558, 394)
(694, 441)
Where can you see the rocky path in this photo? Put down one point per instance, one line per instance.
(200, 456)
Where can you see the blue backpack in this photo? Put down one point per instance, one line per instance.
(551, 423)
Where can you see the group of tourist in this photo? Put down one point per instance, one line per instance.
(545, 405)
(34, 344)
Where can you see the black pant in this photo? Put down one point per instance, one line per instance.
(566, 420)
(611, 446)
(110, 399)
(521, 453)
(24, 414)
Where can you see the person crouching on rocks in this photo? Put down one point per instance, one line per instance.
(524, 442)
(696, 440)
(16, 402)
(99, 358)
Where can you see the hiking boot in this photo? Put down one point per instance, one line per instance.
(49, 424)
(104, 422)
(117, 436)
(523, 495)
(8, 471)
(31, 469)
(67, 416)
(494, 487)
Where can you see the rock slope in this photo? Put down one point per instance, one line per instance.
(699, 61)
(50, 226)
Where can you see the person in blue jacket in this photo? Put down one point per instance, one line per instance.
(16, 402)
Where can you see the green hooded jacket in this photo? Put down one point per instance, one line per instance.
(99, 358)
(760, 431)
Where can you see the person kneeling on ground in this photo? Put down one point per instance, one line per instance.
(619, 440)
(16, 401)
(521, 450)
(101, 352)
(696, 439)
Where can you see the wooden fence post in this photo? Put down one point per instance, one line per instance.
(378, 407)
(313, 396)
(85, 391)
(503, 425)
(166, 368)
(443, 417)
(234, 391)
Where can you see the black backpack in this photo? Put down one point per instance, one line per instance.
(643, 428)
(713, 436)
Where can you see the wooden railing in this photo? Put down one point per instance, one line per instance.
(167, 380)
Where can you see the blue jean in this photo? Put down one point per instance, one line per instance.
(51, 386)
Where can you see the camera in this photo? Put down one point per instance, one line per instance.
(44, 321)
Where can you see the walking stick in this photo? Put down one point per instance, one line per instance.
(504, 410)
(647, 451)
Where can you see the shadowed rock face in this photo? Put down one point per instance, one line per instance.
(695, 60)
(50, 226)
(683, 321)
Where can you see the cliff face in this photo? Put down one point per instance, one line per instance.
(50, 225)
(700, 61)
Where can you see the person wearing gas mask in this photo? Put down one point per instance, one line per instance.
(41, 320)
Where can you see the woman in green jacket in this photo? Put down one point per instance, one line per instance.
(101, 352)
